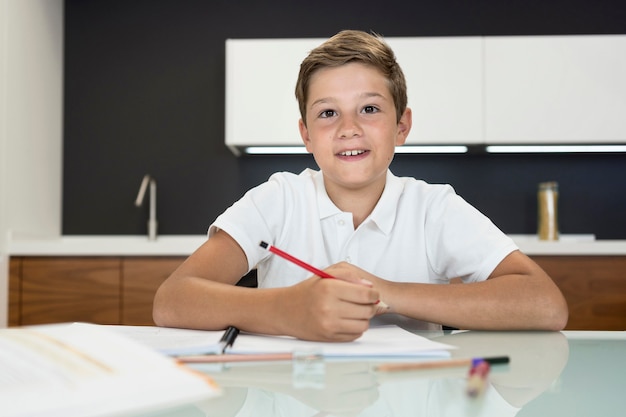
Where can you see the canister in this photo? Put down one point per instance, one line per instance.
(547, 201)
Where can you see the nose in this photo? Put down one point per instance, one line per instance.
(349, 127)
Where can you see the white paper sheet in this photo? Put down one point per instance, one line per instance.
(384, 341)
(172, 341)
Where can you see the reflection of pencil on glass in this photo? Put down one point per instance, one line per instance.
(477, 378)
(438, 364)
(381, 305)
(236, 357)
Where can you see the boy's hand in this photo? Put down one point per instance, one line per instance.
(331, 310)
(351, 273)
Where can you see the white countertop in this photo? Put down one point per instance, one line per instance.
(577, 245)
(184, 245)
(130, 245)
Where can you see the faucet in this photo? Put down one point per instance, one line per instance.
(152, 222)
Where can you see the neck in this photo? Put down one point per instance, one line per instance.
(360, 202)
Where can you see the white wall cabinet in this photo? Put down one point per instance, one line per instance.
(261, 106)
(463, 90)
(444, 88)
(555, 89)
(31, 129)
(444, 77)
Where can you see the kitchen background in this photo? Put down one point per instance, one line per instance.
(144, 93)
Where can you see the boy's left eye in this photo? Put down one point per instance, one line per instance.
(370, 109)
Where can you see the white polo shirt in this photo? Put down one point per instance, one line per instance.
(418, 232)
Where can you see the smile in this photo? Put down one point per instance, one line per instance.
(352, 152)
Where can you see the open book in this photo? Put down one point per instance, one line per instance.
(87, 370)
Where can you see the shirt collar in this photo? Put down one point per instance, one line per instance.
(325, 206)
(383, 215)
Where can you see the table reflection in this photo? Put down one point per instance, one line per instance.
(354, 388)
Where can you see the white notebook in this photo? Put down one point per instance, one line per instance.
(83, 370)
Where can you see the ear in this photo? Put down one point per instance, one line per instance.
(404, 127)
(304, 134)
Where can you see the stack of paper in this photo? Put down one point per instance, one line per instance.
(87, 370)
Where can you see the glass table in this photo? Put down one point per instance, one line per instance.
(567, 373)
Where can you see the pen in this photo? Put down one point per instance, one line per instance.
(477, 378)
(228, 338)
(446, 363)
(310, 268)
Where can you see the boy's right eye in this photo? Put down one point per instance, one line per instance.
(327, 113)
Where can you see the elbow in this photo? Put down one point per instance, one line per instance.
(160, 311)
(557, 315)
(562, 320)
(158, 317)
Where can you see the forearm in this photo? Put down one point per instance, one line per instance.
(503, 303)
(198, 303)
(315, 309)
(519, 295)
(201, 293)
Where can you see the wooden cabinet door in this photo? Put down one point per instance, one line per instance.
(15, 291)
(141, 277)
(70, 289)
(594, 287)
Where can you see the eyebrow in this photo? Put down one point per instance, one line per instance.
(330, 100)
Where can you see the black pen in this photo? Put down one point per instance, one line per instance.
(228, 338)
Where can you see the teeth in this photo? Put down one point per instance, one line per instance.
(352, 153)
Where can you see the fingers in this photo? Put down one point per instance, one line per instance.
(362, 293)
(350, 273)
(330, 309)
(355, 275)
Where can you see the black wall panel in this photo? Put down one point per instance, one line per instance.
(144, 93)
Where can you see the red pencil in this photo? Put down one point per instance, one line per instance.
(295, 260)
(381, 305)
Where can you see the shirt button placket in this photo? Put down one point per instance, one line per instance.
(344, 233)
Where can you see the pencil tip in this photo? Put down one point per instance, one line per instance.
(263, 244)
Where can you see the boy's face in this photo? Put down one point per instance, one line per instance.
(351, 125)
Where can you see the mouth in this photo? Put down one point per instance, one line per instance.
(353, 152)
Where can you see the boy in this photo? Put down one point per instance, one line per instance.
(383, 237)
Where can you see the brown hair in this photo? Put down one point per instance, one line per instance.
(353, 46)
